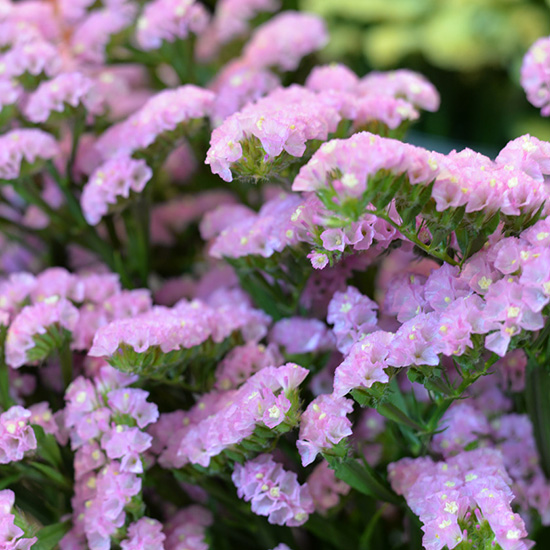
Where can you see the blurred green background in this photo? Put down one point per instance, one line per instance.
(470, 49)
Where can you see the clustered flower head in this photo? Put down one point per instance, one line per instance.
(229, 300)
(283, 121)
(466, 498)
(115, 178)
(231, 21)
(535, 77)
(223, 420)
(169, 20)
(105, 419)
(285, 39)
(65, 90)
(23, 150)
(273, 492)
(16, 435)
(163, 113)
(11, 536)
(324, 424)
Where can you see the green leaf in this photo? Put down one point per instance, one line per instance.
(52, 474)
(463, 239)
(49, 536)
(362, 478)
(364, 541)
(538, 406)
(47, 447)
(392, 412)
(10, 480)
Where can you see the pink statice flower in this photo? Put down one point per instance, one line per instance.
(92, 35)
(390, 111)
(324, 424)
(36, 57)
(476, 182)
(12, 537)
(273, 492)
(111, 491)
(283, 41)
(472, 487)
(169, 20)
(14, 290)
(10, 92)
(353, 316)
(411, 86)
(16, 435)
(113, 180)
(244, 361)
(144, 534)
(223, 419)
(332, 77)
(34, 321)
(42, 415)
(376, 153)
(127, 444)
(535, 75)
(187, 529)
(22, 147)
(165, 112)
(238, 84)
(365, 363)
(65, 90)
(318, 260)
(184, 326)
(104, 416)
(300, 335)
(231, 20)
(171, 218)
(285, 120)
(269, 231)
(529, 154)
(326, 490)
(460, 426)
(54, 283)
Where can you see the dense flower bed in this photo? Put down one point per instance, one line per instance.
(239, 310)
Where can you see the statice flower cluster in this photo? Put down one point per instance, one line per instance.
(187, 529)
(229, 423)
(105, 419)
(242, 307)
(165, 112)
(17, 436)
(169, 20)
(466, 498)
(273, 492)
(534, 75)
(11, 535)
(115, 178)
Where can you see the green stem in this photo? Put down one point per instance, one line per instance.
(26, 189)
(111, 230)
(446, 402)
(78, 129)
(364, 541)
(414, 239)
(5, 396)
(66, 361)
(72, 203)
(136, 221)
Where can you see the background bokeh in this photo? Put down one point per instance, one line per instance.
(470, 49)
